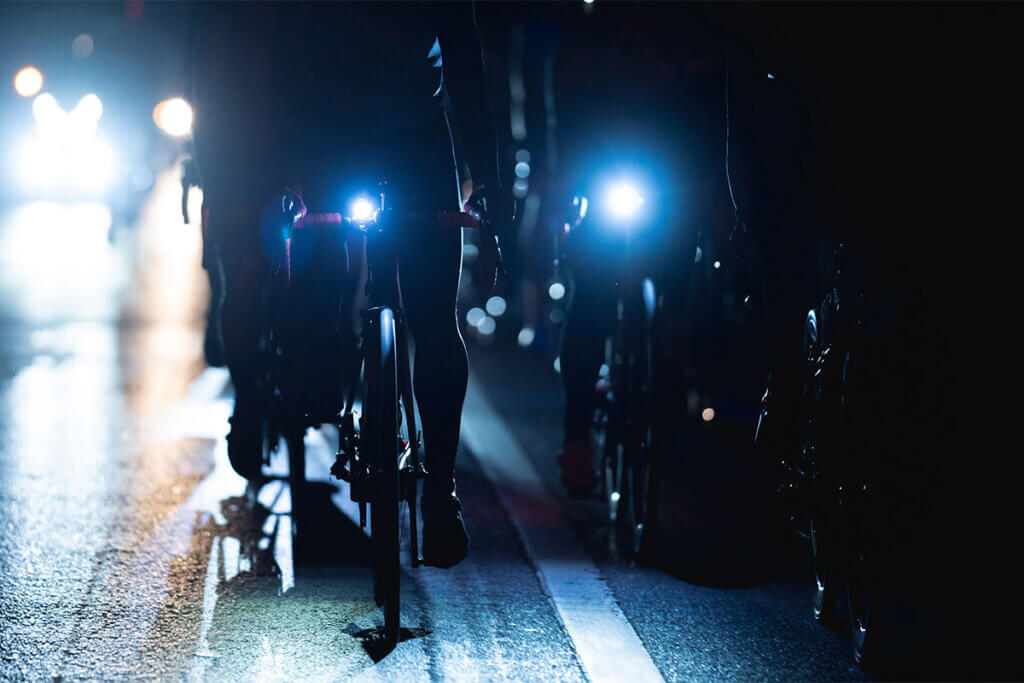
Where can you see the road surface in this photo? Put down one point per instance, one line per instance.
(127, 549)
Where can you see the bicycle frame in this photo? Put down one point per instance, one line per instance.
(830, 475)
(382, 468)
(384, 304)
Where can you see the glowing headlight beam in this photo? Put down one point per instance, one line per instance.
(89, 107)
(46, 109)
(362, 209)
(623, 200)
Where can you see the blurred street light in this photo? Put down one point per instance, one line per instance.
(28, 81)
(174, 117)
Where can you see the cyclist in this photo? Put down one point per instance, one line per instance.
(326, 98)
(617, 103)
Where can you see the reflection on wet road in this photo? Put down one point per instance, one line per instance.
(129, 548)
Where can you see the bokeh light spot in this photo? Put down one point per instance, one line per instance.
(526, 337)
(174, 117)
(82, 46)
(475, 316)
(496, 306)
(487, 325)
(28, 81)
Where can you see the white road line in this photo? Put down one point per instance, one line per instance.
(202, 655)
(605, 641)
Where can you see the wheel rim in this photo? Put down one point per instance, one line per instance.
(644, 483)
(858, 598)
(821, 584)
(381, 412)
(642, 524)
(612, 459)
(296, 445)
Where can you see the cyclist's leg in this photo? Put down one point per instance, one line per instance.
(244, 276)
(430, 263)
(430, 266)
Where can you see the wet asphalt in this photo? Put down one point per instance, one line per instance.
(127, 548)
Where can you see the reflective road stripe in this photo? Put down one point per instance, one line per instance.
(608, 647)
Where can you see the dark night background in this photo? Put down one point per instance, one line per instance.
(892, 128)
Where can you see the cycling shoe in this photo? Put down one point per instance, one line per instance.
(445, 540)
(577, 464)
(245, 444)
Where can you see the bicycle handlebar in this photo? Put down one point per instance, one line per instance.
(443, 219)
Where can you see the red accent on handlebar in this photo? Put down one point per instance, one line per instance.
(444, 219)
(321, 219)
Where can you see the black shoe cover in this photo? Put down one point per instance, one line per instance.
(245, 446)
(445, 541)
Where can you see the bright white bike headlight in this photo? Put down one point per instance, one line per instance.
(623, 200)
(362, 209)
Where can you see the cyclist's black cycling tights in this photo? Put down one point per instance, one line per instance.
(430, 263)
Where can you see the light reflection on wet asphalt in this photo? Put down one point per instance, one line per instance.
(127, 547)
(128, 550)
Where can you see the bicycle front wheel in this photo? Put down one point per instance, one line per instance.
(380, 439)
(296, 444)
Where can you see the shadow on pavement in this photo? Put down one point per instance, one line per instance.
(250, 598)
(374, 642)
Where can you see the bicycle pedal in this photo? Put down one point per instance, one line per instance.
(339, 471)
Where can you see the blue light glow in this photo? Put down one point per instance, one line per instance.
(362, 209)
(623, 200)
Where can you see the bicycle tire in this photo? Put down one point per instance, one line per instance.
(295, 442)
(644, 478)
(380, 424)
(612, 430)
(860, 594)
(631, 380)
(859, 602)
(823, 570)
(637, 486)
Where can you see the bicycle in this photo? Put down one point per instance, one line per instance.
(379, 443)
(828, 486)
(624, 428)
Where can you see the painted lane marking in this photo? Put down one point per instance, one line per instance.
(606, 643)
